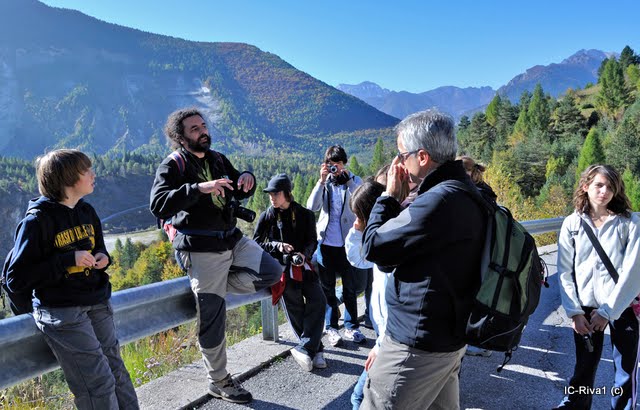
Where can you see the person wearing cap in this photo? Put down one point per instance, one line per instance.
(287, 232)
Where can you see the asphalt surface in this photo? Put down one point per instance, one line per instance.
(534, 379)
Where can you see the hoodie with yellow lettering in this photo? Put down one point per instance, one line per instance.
(43, 259)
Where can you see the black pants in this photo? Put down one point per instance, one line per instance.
(304, 304)
(624, 340)
(335, 263)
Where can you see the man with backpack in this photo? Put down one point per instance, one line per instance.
(197, 190)
(434, 248)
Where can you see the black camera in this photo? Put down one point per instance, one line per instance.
(239, 211)
(333, 169)
(295, 258)
(588, 343)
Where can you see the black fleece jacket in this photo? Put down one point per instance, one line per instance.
(175, 195)
(434, 247)
(301, 235)
(43, 257)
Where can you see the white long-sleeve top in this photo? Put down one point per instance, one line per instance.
(620, 239)
(378, 306)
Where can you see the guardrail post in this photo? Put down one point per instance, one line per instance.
(269, 320)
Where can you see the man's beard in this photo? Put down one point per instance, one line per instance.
(201, 145)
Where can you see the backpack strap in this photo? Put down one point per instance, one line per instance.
(601, 253)
(179, 159)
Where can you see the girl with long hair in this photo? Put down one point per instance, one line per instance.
(595, 296)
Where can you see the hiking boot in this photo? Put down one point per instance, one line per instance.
(477, 351)
(302, 359)
(355, 336)
(319, 362)
(230, 390)
(333, 336)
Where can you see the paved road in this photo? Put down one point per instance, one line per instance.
(533, 380)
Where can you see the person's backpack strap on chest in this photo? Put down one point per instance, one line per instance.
(179, 160)
(601, 253)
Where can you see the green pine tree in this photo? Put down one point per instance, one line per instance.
(260, 200)
(311, 183)
(623, 146)
(493, 110)
(377, 161)
(591, 152)
(298, 187)
(632, 189)
(567, 119)
(614, 95)
(539, 113)
(355, 167)
(628, 57)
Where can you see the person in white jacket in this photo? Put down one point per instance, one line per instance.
(591, 297)
(331, 196)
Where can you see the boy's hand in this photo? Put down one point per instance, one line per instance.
(102, 261)
(85, 259)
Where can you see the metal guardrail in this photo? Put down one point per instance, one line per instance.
(141, 312)
(138, 312)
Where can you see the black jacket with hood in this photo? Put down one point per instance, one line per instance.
(434, 248)
(43, 257)
(203, 224)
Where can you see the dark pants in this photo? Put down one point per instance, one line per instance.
(304, 304)
(83, 339)
(363, 283)
(624, 340)
(335, 264)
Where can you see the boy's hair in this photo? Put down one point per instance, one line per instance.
(335, 153)
(364, 198)
(59, 169)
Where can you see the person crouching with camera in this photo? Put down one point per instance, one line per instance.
(287, 231)
(197, 189)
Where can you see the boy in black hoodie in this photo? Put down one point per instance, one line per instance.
(60, 255)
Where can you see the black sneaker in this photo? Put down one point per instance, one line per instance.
(230, 390)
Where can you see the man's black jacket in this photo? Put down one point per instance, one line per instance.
(435, 247)
(206, 225)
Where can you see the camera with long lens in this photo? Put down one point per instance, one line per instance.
(236, 210)
(333, 169)
(295, 258)
(588, 343)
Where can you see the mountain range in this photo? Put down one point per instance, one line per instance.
(574, 72)
(453, 100)
(72, 80)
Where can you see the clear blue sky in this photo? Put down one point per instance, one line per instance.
(401, 45)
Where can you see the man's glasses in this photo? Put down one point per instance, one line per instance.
(402, 156)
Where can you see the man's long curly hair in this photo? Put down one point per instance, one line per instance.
(174, 128)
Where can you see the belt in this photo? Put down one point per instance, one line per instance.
(209, 233)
